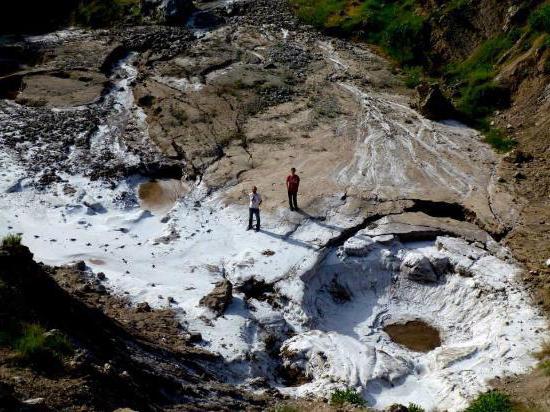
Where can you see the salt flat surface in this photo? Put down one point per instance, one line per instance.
(488, 329)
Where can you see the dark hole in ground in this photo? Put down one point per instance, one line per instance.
(415, 335)
(442, 209)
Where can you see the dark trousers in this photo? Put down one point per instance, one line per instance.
(251, 213)
(293, 200)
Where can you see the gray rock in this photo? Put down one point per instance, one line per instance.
(143, 307)
(219, 299)
(433, 104)
(417, 267)
(440, 264)
(359, 245)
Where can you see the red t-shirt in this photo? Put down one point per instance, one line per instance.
(293, 182)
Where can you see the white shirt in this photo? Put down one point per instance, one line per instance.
(255, 200)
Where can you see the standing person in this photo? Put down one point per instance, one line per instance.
(292, 184)
(254, 208)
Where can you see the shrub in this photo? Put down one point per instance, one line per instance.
(394, 25)
(100, 13)
(540, 19)
(499, 140)
(414, 408)
(492, 401)
(12, 240)
(480, 100)
(35, 344)
(545, 367)
(341, 397)
(413, 76)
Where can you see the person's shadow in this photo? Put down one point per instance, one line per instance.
(289, 240)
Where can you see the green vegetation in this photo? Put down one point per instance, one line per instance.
(350, 396)
(500, 141)
(413, 76)
(478, 93)
(540, 18)
(414, 408)
(12, 240)
(492, 401)
(101, 13)
(34, 344)
(394, 25)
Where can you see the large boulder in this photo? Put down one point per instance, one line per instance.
(167, 11)
(417, 267)
(359, 245)
(219, 299)
(433, 104)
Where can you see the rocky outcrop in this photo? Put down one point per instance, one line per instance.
(219, 299)
(417, 267)
(433, 104)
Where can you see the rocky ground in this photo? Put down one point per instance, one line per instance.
(409, 211)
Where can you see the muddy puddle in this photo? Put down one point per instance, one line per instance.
(415, 335)
(160, 195)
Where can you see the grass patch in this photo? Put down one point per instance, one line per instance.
(415, 408)
(478, 94)
(413, 76)
(35, 343)
(499, 140)
(492, 401)
(346, 396)
(539, 20)
(12, 240)
(102, 13)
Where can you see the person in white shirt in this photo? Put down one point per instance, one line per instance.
(254, 208)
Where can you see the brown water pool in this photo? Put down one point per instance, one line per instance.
(161, 195)
(415, 335)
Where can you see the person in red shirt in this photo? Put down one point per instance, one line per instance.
(292, 184)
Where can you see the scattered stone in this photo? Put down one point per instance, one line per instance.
(34, 401)
(80, 265)
(143, 307)
(256, 289)
(101, 276)
(219, 299)
(417, 267)
(171, 300)
(195, 337)
(398, 408)
(268, 252)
